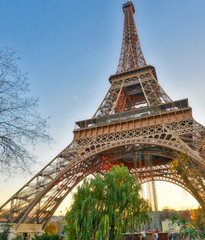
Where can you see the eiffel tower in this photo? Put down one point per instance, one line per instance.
(137, 124)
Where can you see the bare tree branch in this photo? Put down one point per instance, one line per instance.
(21, 126)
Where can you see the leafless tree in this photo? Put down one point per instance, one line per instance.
(21, 126)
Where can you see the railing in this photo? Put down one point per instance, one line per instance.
(137, 113)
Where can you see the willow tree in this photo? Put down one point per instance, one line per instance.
(106, 206)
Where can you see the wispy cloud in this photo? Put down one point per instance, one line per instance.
(75, 98)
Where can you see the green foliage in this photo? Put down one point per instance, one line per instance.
(51, 229)
(47, 237)
(104, 206)
(187, 229)
(198, 218)
(18, 237)
(5, 227)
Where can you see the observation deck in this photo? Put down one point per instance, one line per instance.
(146, 116)
(133, 72)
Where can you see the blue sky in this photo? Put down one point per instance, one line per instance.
(70, 48)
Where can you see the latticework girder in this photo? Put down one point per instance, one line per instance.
(131, 55)
(132, 93)
(39, 198)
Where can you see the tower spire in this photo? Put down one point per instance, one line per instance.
(131, 55)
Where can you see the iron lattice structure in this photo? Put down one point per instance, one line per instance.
(131, 55)
(136, 124)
